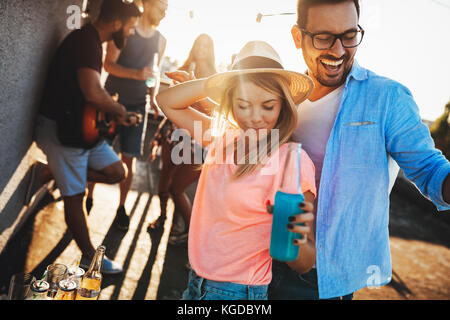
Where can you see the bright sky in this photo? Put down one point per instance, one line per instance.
(406, 40)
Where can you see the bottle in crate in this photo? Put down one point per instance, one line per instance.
(91, 282)
(67, 290)
(38, 291)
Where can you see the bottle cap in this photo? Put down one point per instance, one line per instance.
(67, 285)
(77, 272)
(40, 286)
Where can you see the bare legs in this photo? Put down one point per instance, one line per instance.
(174, 180)
(75, 216)
(74, 209)
(185, 175)
(125, 184)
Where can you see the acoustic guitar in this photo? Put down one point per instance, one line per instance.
(98, 125)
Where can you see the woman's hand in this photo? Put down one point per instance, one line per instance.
(307, 218)
(307, 252)
(307, 243)
(180, 76)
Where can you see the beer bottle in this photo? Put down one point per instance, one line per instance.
(92, 280)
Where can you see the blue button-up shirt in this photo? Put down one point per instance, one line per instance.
(377, 118)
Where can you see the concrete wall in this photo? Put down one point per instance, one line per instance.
(30, 32)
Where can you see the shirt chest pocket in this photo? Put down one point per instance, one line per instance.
(361, 144)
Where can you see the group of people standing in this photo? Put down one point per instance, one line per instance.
(347, 124)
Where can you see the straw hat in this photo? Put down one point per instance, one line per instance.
(259, 57)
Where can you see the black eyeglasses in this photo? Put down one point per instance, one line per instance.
(326, 40)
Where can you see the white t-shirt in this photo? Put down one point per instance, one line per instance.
(315, 121)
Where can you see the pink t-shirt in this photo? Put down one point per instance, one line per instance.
(229, 234)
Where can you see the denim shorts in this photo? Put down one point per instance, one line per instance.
(289, 285)
(131, 139)
(203, 289)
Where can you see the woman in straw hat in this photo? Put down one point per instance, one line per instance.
(229, 235)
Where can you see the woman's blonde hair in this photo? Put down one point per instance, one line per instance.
(286, 123)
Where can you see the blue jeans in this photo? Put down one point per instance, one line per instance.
(203, 289)
(289, 285)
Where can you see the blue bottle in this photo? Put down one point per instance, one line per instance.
(286, 205)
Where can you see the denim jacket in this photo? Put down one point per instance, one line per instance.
(377, 119)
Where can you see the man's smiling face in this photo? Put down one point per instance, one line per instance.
(329, 67)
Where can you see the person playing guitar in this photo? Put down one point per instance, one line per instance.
(72, 83)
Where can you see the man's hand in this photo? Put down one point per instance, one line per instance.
(144, 74)
(129, 119)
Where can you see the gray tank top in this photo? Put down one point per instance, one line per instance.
(137, 54)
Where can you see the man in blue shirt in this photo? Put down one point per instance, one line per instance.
(356, 126)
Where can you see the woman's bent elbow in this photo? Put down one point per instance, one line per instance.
(161, 101)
